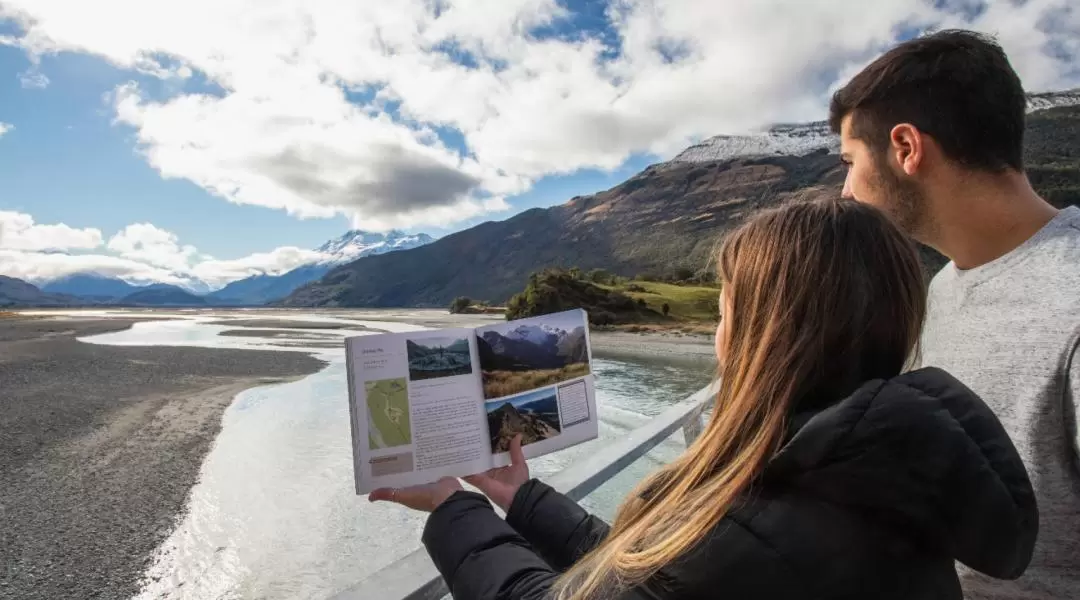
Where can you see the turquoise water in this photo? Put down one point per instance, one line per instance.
(274, 514)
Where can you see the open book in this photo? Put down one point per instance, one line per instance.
(447, 402)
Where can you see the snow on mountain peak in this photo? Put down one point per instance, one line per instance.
(536, 334)
(783, 139)
(1053, 99)
(357, 244)
(805, 138)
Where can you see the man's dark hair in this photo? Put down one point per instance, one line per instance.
(956, 86)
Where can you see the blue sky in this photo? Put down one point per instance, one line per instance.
(66, 162)
(213, 140)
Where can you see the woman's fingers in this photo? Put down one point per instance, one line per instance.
(381, 494)
(418, 497)
(517, 457)
(413, 497)
(478, 480)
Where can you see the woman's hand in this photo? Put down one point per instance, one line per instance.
(502, 483)
(426, 497)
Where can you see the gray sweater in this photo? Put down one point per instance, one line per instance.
(1010, 330)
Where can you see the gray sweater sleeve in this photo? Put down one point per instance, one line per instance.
(1072, 399)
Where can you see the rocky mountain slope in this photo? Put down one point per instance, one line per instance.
(533, 422)
(670, 215)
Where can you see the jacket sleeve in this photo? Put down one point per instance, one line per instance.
(554, 525)
(481, 557)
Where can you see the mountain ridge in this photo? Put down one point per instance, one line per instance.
(670, 215)
(354, 244)
(90, 285)
(16, 293)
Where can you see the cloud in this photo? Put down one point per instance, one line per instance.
(148, 244)
(40, 267)
(5, 127)
(217, 273)
(138, 253)
(19, 232)
(346, 107)
(33, 79)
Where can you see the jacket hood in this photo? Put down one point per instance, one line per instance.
(924, 452)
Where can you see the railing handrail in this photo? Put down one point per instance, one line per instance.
(414, 577)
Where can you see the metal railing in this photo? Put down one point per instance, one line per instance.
(414, 577)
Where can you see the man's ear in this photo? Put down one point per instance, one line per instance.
(906, 143)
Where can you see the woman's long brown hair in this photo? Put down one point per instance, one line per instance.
(826, 294)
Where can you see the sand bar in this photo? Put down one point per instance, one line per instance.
(100, 447)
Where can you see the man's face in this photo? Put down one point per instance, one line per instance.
(871, 179)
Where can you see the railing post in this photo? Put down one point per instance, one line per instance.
(694, 426)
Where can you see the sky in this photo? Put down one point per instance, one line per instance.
(208, 140)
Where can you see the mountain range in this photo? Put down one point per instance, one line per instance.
(94, 288)
(161, 294)
(260, 289)
(91, 286)
(18, 293)
(530, 347)
(671, 215)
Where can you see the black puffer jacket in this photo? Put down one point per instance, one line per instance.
(872, 497)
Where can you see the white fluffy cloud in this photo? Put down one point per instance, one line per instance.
(5, 127)
(146, 243)
(19, 232)
(335, 107)
(280, 260)
(40, 267)
(138, 253)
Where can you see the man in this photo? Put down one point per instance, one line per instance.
(932, 133)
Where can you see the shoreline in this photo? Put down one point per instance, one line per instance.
(698, 348)
(102, 446)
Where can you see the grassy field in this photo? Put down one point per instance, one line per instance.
(693, 309)
(498, 384)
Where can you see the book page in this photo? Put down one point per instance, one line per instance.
(538, 382)
(415, 399)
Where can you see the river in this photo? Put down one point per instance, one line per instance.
(274, 514)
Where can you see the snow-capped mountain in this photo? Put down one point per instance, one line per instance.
(537, 334)
(785, 139)
(1053, 99)
(805, 138)
(357, 244)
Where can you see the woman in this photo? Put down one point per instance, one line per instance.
(824, 472)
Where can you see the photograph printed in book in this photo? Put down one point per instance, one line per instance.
(431, 358)
(535, 415)
(532, 353)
